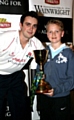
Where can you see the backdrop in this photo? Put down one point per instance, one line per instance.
(11, 10)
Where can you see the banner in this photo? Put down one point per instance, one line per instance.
(13, 6)
(52, 8)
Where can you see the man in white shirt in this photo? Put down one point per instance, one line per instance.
(16, 49)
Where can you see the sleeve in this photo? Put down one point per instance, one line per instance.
(68, 82)
(5, 39)
(38, 43)
(2, 41)
(39, 46)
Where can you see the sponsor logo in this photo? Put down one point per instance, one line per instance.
(52, 10)
(4, 23)
(53, 2)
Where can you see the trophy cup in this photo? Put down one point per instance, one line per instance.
(40, 58)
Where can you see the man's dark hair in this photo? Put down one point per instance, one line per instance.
(28, 13)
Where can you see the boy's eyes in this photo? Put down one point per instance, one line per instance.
(35, 26)
(57, 31)
(54, 31)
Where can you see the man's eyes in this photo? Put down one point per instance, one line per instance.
(28, 24)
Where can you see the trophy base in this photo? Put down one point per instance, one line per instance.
(43, 87)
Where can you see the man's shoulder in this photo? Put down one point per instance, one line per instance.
(34, 40)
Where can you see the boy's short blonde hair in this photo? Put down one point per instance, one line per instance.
(57, 22)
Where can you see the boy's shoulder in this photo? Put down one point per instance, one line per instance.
(68, 52)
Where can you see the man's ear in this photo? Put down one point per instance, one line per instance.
(20, 25)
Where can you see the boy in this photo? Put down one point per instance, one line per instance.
(59, 71)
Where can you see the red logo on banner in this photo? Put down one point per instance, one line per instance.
(54, 2)
(4, 23)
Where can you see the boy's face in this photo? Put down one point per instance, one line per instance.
(54, 33)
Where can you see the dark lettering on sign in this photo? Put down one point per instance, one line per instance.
(52, 10)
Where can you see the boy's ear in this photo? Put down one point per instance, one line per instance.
(62, 33)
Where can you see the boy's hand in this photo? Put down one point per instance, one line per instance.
(50, 92)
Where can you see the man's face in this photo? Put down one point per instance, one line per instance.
(29, 27)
